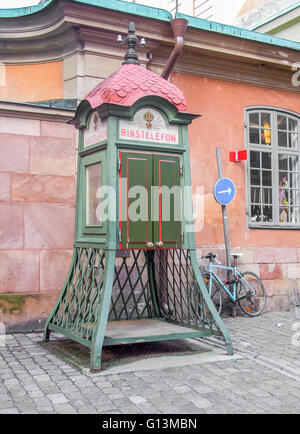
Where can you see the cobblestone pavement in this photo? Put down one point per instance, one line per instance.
(264, 379)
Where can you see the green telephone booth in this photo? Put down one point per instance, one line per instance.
(134, 275)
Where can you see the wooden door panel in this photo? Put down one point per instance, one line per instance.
(167, 201)
(136, 172)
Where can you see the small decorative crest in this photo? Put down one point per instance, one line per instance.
(148, 116)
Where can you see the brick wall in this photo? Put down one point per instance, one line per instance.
(37, 204)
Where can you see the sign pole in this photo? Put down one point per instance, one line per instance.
(224, 213)
(225, 226)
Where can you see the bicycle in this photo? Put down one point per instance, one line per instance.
(245, 288)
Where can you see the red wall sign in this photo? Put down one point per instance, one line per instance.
(236, 156)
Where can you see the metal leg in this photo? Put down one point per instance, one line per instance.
(210, 304)
(46, 335)
(102, 315)
(47, 331)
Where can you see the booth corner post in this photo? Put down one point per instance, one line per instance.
(133, 280)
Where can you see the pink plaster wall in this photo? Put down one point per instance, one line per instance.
(37, 205)
(272, 254)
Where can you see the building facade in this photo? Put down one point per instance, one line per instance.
(277, 18)
(245, 86)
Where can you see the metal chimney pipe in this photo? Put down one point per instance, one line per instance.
(179, 26)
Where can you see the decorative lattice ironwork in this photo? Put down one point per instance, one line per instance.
(131, 294)
(147, 284)
(78, 307)
(178, 293)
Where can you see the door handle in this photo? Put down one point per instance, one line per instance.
(159, 244)
(150, 245)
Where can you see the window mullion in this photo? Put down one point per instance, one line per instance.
(275, 169)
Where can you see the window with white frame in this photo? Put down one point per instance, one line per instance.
(273, 142)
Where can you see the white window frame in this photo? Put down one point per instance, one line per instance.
(275, 150)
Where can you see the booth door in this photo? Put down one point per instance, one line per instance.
(150, 200)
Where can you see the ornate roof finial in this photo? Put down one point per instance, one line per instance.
(131, 40)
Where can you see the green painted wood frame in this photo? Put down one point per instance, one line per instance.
(157, 174)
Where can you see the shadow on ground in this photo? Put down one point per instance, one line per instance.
(79, 356)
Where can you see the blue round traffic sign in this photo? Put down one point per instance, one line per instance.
(224, 191)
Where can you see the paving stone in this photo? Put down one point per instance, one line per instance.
(64, 409)
(57, 398)
(182, 389)
(137, 399)
(9, 411)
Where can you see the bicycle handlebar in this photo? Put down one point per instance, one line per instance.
(210, 256)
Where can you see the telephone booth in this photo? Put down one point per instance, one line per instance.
(134, 275)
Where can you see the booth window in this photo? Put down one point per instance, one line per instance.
(93, 182)
(93, 171)
(273, 141)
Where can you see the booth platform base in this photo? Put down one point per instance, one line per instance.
(147, 330)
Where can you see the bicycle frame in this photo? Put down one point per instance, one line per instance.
(235, 275)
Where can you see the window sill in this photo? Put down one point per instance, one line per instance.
(251, 226)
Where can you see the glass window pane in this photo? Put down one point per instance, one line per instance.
(266, 160)
(283, 162)
(254, 159)
(265, 136)
(93, 182)
(281, 122)
(254, 119)
(292, 125)
(267, 215)
(255, 194)
(282, 138)
(265, 131)
(266, 177)
(283, 181)
(255, 177)
(293, 140)
(295, 215)
(266, 196)
(294, 180)
(255, 213)
(265, 120)
(283, 197)
(254, 135)
(294, 197)
(283, 214)
(293, 163)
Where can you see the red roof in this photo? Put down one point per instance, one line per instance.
(132, 82)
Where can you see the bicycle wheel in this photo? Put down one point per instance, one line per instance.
(216, 293)
(251, 294)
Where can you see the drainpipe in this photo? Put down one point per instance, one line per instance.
(179, 26)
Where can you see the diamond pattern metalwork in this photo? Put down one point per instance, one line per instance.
(147, 284)
(179, 296)
(77, 311)
(131, 295)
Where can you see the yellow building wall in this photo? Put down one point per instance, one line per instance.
(30, 83)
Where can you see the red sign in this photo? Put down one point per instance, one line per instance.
(238, 155)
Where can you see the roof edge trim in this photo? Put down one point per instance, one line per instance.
(117, 5)
(20, 12)
(238, 32)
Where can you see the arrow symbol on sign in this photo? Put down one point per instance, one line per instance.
(228, 191)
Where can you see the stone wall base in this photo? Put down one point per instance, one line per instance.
(25, 312)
